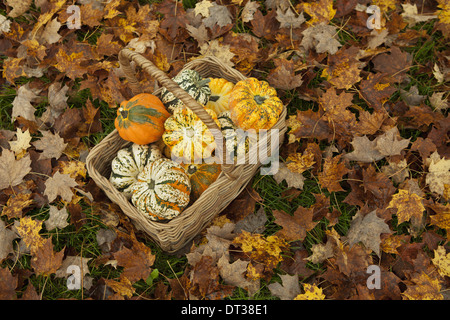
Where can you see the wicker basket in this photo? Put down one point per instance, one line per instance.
(178, 232)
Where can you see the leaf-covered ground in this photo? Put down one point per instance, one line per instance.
(364, 170)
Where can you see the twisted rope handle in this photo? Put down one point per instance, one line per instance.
(125, 58)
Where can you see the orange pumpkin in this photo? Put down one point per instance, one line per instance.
(141, 119)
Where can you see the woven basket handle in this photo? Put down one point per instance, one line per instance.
(126, 56)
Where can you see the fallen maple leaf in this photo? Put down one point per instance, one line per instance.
(8, 284)
(51, 144)
(367, 229)
(320, 11)
(57, 218)
(13, 171)
(124, 287)
(59, 185)
(136, 261)
(293, 179)
(45, 261)
(332, 173)
(234, 275)
(22, 143)
(312, 292)
(28, 229)
(295, 226)
(423, 287)
(16, 204)
(408, 205)
(289, 288)
(390, 143)
(267, 250)
(6, 242)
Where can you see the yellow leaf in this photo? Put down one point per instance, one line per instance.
(385, 5)
(300, 162)
(28, 229)
(320, 11)
(444, 14)
(442, 261)
(312, 292)
(423, 288)
(407, 204)
(265, 250)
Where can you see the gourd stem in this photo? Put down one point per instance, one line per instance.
(214, 98)
(202, 83)
(259, 99)
(123, 113)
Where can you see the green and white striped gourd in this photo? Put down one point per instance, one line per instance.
(193, 83)
(162, 190)
(128, 162)
(234, 142)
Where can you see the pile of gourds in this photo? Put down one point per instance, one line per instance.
(162, 129)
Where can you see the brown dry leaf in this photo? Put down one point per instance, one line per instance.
(220, 51)
(408, 205)
(390, 143)
(376, 89)
(13, 171)
(289, 288)
(22, 103)
(343, 68)
(59, 185)
(332, 173)
(284, 77)
(367, 229)
(293, 179)
(6, 243)
(234, 275)
(438, 175)
(57, 218)
(296, 226)
(395, 64)
(45, 261)
(218, 15)
(19, 7)
(70, 64)
(321, 37)
(51, 144)
(8, 284)
(370, 123)
(204, 279)
(136, 261)
(310, 124)
(364, 150)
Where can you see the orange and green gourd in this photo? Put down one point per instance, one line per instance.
(201, 176)
(141, 119)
